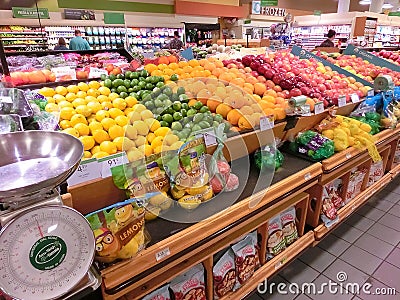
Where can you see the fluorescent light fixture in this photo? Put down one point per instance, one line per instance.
(365, 2)
(387, 6)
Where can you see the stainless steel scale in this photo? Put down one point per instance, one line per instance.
(46, 249)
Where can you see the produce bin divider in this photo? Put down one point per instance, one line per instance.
(390, 162)
(3, 59)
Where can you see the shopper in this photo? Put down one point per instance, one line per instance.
(329, 41)
(61, 45)
(78, 42)
(176, 43)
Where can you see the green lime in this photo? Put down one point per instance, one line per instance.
(128, 74)
(112, 77)
(204, 109)
(186, 132)
(168, 118)
(130, 90)
(159, 118)
(176, 126)
(177, 106)
(198, 105)
(208, 118)
(123, 95)
(134, 75)
(142, 85)
(181, 90)
(218, 118)
(167, 102)
(183, 112)
(167, 91)
(185, 106)
(144, 73)
(108, 83)
(134, 95)
(198, 117)
(215, 124)
(184, 98)
(158, 103)
(174, 77)
(149, 104)
(159, 84)
(146, 94)
(120, 76)
(164, 124)
(103, 77)
(191, 112)
(175, 97)
(146, 97)
(185, 120)
(160, 111)
(180, 136)
(134, 82)
(117, 82)
(204, 124)
(121, 89)
(113, 90)
(127, 83)
(136, 88)
(169, 109)
(149, 86)
(196, 127)
(156, 91)
(227, 126)
(142, 79)
(177, 116)
(148, 79)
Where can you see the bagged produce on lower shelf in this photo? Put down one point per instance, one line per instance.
(289, 228)
(375, 173)
(245, 259)
(355, 183)
(190, 285)
(224, 273)
(276, 242)
(160, 294)
(119, 231)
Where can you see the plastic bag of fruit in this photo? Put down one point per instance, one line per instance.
(268, 157)
(313, 145)
(119, 230)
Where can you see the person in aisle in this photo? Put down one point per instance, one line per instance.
(329, 41)
(61, 46)
(176, 43)
(78, 42)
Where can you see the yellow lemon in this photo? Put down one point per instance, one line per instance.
(47, 92)
(61, 90)
(157, 149)
(87, 154)
(130, 101)
(72, 89)
(90, 99)
(70, 97)
(91, 119)
(79, 101)
(134, 116)
(94, 85)
(93, 126)
(107, 105)
(170, 139)
(115, 112)
(128, 110)
(162, 131)
(121, 120)
(139, 108)
(155, 125)
(134, 155)
(51, 107)
(94, 106)
(103, 98)
(141, 127)
(66, 113)
(131, 132)
(95, 149)
(63, 104)
(71, 131)
(128, 144)
(150, 137)
(176, 145)
(107, 123)
(58, 98)
(87, 141)
(100, 154)
(83, 86)
(101, 114)
(157, 142)
(81, 94)
(84, 110)
(50, 100)
(119, 103)
(108, 147)
(140, 140)
(104, 90)
(78, 118)
(93, 92)
(115, 131)
(64, 124)
(113, 96)
(100, 136)
(146, 149)
(83, 129)
(146, 114)
(123, 143)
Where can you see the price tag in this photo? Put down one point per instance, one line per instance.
(6, 99)
(355, 98)
(87, 170)
(307, 177)
(96, 72)
(162, 254)
(112, 161)
(348, 155)
(319, 108)
(64, 73)
(370, 93)
(266, 122)
(209, 138)
(342, 101)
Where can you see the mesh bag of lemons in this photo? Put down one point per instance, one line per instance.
(119, 231)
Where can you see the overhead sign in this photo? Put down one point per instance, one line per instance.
(258, 9)
(30, 13)
(79, 14)
(114, 18)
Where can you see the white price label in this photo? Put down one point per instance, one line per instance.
(96, 72)
(307, 177)
(6, 99)
(88, 170)
(64, 73)
(112, 161)
(370, 93)
(209, 138)
(348, 155)
(162, 254)
(342, 101)
(355, 98)
(319, 108)
(266, 122)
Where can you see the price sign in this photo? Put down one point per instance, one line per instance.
(209, 138)
(266, 122)
(342, 101)
(112, 161)
(6, 99)
(162, 254)
(64, 73)
(96, 72)
(88, 170)
(319, 108)
(370, 93)
(355, 98)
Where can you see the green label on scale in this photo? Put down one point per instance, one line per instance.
(30, 13)
(269, 3)
(47, 253)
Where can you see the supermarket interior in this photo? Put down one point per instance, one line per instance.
(200, 149)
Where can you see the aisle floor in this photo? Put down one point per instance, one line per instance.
(366, 247)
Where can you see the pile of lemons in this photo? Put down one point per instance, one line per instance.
(107, 124)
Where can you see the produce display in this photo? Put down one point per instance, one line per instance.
(392, 56)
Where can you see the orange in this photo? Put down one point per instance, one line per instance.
(238, 81)
(223, 109)
(265, 104)
(150, 68)
(310, 102)
(172, 59)
(244, 123)
(259, 88)
(173, 66)
(194, 63)
(248, 86)
(234, 116)
(280, 113)
(212, 103)
(252, 80)
(183, 64)
(163, 60)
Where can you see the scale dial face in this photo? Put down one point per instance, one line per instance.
(45, 252)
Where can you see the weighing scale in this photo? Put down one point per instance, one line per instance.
(46, 249)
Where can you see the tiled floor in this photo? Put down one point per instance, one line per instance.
(366, 247)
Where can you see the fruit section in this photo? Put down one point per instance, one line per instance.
(21, 38)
